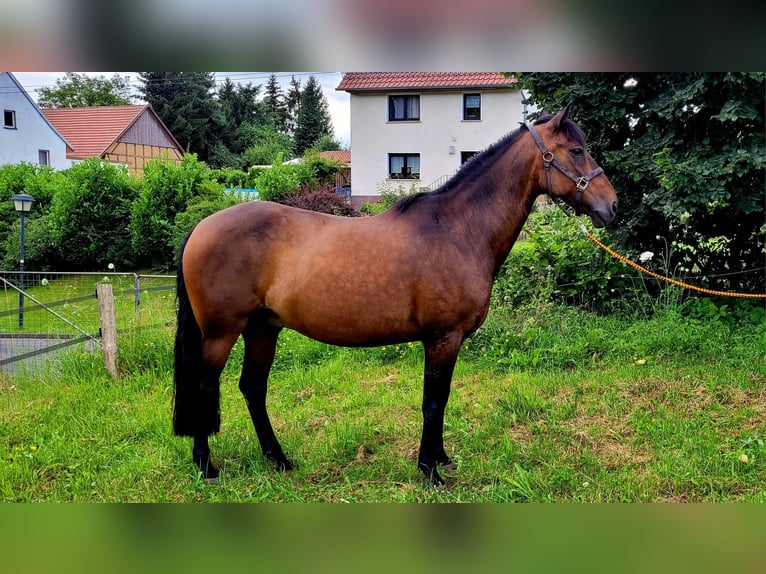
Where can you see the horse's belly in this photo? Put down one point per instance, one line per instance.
(351, 326)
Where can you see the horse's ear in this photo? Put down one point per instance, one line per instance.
(559, 118)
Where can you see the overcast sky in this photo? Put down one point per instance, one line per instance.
(338, 101)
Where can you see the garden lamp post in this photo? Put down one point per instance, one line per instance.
(23, 204)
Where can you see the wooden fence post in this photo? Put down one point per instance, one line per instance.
(108, 327)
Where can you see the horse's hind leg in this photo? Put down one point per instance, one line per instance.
(215, 351)
(260, 347)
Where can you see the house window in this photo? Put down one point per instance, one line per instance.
(9, 119)
(471, 106)
(43, 157)
(404, 166)
(403, 108)
(466, 155)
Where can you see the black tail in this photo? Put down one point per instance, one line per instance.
(196, 412)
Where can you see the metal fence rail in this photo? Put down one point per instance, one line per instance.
(54, 310)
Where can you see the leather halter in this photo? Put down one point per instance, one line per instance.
(581, 182)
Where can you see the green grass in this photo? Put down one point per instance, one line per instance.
(550, 404)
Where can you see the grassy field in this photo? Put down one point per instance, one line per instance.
(548, 404)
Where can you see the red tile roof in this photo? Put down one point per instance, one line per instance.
(341, 156)
(91, 131)
(362, 81)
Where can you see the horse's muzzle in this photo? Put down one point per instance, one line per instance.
(601, 217)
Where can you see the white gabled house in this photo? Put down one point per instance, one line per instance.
(26, 134)
(416, 129)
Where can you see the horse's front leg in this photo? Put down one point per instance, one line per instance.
(440, 357)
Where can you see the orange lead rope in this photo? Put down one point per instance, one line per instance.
(662, 277)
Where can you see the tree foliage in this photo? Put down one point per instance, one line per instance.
(241, 112)
(276, 105)
(313, 117)
(90, 215)
(240, 125)
(685, 152)
(184, 102)
(81, 91)
(42, 183)
(261, 144)
(293, 104)
(166, 190)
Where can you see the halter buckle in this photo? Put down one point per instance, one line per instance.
(547, 156)
(582, 184)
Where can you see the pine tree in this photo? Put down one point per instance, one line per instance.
(275, 104)
(184, 102)
(293, 103)
(313, 117)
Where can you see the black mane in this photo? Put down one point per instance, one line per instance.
(466, 171)
(479, 162)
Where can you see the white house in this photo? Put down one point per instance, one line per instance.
(416, 129)
(26, 135)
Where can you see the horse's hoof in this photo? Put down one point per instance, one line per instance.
(432, 475)
(280, 462)
(208, 471)
(449, 467)
(435, 480)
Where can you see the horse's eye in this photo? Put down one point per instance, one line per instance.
(576, 151)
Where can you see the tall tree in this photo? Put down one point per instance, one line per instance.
(81, 91)
(686, 153)
(313, 117)
(184, 101)
(239, 104)
(293, 103)
(275, 104)
(240, 110)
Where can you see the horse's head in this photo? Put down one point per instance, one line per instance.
(568, 172)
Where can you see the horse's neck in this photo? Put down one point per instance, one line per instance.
(499, 204)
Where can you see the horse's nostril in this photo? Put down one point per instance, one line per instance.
(614, 207)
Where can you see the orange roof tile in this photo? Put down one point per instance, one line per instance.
(341, 156)
(92, 130)
(361, 81)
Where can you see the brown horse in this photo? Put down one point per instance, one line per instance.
(421, 271)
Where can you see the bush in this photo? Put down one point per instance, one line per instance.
(282, 180)
(388, 196)
(308, 184)
(322, 199)
(557, 262)
(166, 190)
(197, 210)
(42, 183)
(41, 252)
(90, 215)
